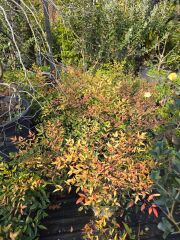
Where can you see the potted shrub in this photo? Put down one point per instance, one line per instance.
(14, 116)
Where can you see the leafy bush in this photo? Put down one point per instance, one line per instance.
(23, 201)
(93, 132)
(166, 179)
(166, 176)
(130, 32)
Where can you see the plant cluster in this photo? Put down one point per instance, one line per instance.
(166, 176)
(89, 33)
(23, 202)
(130, 32)
(95, 134)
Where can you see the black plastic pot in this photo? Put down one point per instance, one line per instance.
(10, 127)
(19, 126)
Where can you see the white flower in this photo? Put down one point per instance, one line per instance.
(147, 94)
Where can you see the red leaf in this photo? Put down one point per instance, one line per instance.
(143, 207)
(94, 197)
(154, 205)
(54, 206)
(155, 212)
(86, 200)
(150, 210)
(79, 200)
(82, 195)
(130, 204)
(85, 190)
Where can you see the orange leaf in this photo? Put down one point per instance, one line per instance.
(86, 200)
(130, 204)
(82, 195)
(154, 205)
(85, 190)
(94, 197)
(23, 206)
(155, 212)
(54, 206)
(151, 197)
(117, 225)
(150, 210)
(79, 200)
(143, 207)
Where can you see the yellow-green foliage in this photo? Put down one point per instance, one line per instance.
(94, 134)
(23, 201)
(97, 131)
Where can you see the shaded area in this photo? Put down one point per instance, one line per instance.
(64, 221)
(17, 129)
(148, 224)
(16, 126)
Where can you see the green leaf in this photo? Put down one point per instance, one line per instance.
(176, 164)
(155, 175)
(166, 227)
(128, 229)
(42, 227)
(177, 180)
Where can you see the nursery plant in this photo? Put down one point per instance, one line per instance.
(95, 135)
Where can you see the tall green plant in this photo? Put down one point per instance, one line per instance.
(124, 31)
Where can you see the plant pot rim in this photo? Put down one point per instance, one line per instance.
(25, 103)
